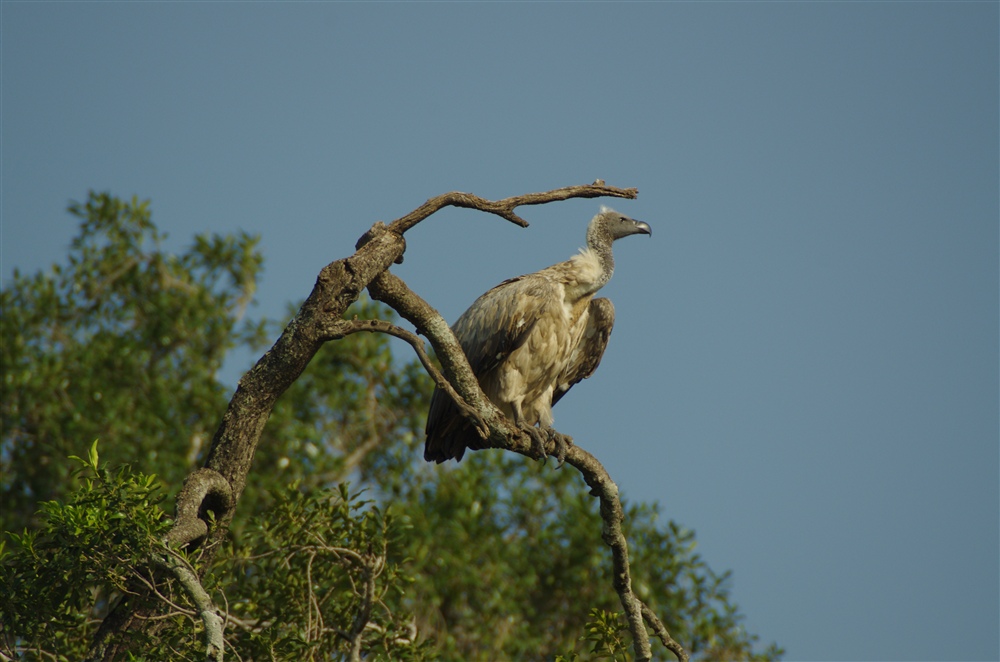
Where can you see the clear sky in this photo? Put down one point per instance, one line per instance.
(804, 367)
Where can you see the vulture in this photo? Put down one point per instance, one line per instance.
(530, 339)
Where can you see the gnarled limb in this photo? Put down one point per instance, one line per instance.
(337, 287)
(204, 490)
(319, 320)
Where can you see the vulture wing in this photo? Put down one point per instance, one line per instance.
(500, 320)
(495, 325)
(588, 353)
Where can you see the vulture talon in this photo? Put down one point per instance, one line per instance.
(537, 440)
(561, 443)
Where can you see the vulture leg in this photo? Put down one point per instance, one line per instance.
(562, 443)
(538, 437)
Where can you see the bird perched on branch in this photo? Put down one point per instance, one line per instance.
(530, 339)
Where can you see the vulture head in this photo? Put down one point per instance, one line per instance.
(610, 225)
(604, 228)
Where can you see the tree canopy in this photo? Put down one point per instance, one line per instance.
(344, 543)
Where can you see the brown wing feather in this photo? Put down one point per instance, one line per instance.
(448, 434)
(495, 325)
(588, 354)
(500, 320)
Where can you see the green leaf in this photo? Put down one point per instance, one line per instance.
(92, 455)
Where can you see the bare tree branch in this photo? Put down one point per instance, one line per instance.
(612, 515)
(318, 320)
(354, 326)
(505, 208)
(188, 579)
(661, 631)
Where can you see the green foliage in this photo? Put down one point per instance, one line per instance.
(494, 558)
(608, 633)
(314, 563)
(512, 543)
(122, 343)
(87, 549)
(517, 545)
(316, 575)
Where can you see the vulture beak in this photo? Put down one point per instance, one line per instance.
(643, 228)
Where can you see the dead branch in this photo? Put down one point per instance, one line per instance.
(318, 320)
(661, 631)
(505, 208)
(601, 486)
(348, 327)
(189, 580)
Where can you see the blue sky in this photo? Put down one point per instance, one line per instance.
(804, 367)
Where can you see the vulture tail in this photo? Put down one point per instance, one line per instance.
(448, 432)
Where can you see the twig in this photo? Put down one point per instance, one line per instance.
(364, 613)
(188, 579)
(313, 603)
(347, 327)
(177, 609)
(505, 208)
(661, 631)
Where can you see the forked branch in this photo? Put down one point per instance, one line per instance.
(347, 327)
(505, 208)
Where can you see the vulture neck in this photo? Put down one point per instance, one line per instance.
(599, 246)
